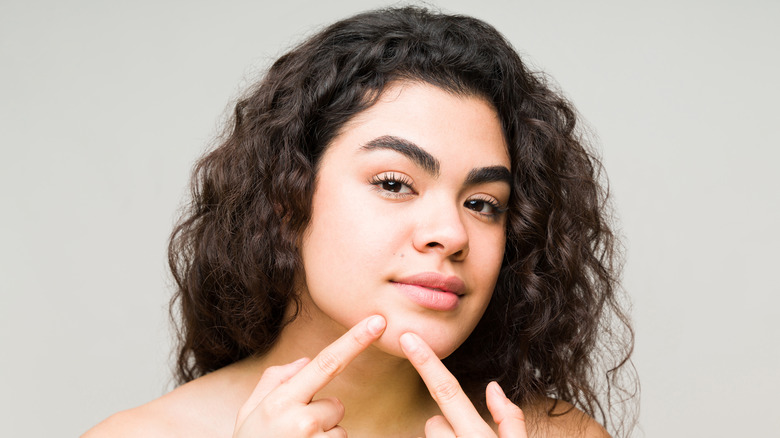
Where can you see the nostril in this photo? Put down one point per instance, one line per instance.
(432, 244)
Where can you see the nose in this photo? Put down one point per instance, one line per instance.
(440, 228)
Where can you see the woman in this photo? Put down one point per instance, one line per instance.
(397, 190)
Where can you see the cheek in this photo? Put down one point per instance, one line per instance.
(347, 250)
(487, 252)
(342, 236)
(498, 255)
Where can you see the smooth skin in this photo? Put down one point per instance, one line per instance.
(282, 403)
(380, 214)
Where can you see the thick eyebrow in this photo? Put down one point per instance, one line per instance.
(415, 153)
(489, 174)
(430, 164)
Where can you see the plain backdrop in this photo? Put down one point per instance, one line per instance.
(104, 107)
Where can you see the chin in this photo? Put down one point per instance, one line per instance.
(440, 338)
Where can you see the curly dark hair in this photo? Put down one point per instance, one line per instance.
(555, 325)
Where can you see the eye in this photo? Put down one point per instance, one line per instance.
(395, 187)
(489, 208)
(390, 184)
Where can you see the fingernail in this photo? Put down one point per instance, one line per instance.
(496, 388)
(376, 324)
(409, 342)
(300, 361)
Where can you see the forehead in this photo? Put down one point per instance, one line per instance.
(441, 122)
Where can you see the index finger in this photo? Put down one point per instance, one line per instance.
(444, 387)
(333, 359)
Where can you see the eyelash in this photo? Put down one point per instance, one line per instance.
(498, 209)
(391, 178)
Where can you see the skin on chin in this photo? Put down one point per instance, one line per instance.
(443, 339)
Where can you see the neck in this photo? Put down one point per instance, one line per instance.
(382, 394)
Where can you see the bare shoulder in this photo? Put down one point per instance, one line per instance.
(145, 421)
(566, 421)
(204, 407)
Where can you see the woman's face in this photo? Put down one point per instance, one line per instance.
(407, 218)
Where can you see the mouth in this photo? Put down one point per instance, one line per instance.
(436, 282)
(432, 290)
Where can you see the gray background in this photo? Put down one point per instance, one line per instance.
(104, 106)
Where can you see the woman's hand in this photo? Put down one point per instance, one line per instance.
(281, 404)
(461, 418)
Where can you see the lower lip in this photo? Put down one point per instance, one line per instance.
(429, 298)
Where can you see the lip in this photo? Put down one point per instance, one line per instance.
(432, 290)
(434, 280)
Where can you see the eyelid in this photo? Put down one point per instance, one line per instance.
(391, 176)
(498, 207)
(377, 180)
(490, 199)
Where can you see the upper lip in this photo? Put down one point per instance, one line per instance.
(434, 280)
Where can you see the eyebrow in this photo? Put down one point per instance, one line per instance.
(430, 164)
(405, 147)
(489, 174)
